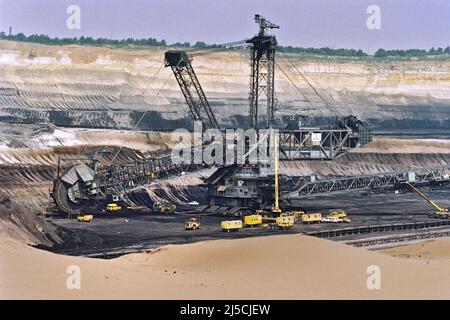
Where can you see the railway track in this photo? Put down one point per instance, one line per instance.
(334, 233)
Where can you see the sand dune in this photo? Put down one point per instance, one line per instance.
(276, 267)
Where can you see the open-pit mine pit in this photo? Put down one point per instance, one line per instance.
(72, 117)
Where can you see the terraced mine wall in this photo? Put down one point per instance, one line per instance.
(127, 120)
(110, 88)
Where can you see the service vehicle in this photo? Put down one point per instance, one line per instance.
(192, 224)
(285, 221)
(111, 207)
(308, 218)
(331, 220)
(85, 218)
(164, 208)
(231, 225)
(253, 220)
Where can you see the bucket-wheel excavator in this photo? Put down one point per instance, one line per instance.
(86, 184)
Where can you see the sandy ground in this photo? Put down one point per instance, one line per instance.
(278, 267)
(382, 145)
(429, 251)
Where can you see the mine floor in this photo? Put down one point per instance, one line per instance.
(118, 232)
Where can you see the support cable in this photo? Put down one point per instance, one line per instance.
(145, 113)
(327, 104)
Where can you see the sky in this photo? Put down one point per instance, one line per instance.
(306, 23)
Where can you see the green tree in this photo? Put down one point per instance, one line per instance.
(200, 44)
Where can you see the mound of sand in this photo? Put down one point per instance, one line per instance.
(275, 267)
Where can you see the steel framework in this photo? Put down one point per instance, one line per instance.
(192, 91)
(79, 185)
(262, 74)
(313, 143)
(82, 184)
(307, 188)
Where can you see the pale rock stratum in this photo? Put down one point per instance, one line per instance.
(110, 88)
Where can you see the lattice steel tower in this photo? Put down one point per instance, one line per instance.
(262, 71)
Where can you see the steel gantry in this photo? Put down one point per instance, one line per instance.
(262, 76)
(313, 143)
(307, 187)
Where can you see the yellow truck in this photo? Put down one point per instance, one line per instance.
(253, 220)
(111, 207)
(297, 214)
(85, 218)
(285, 222)
(308, 218)
(231, 225)
(341, 214)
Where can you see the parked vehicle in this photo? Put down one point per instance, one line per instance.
(111, 207)
(85, 218)
(332, 220)
(192, 224)
(231, 225)
(163, 208)
(308, 218)
(285, 221)
(253, 220)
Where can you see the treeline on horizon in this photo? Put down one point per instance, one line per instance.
(380, 53)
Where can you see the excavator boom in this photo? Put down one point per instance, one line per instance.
(431, 202)
(199, 106)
